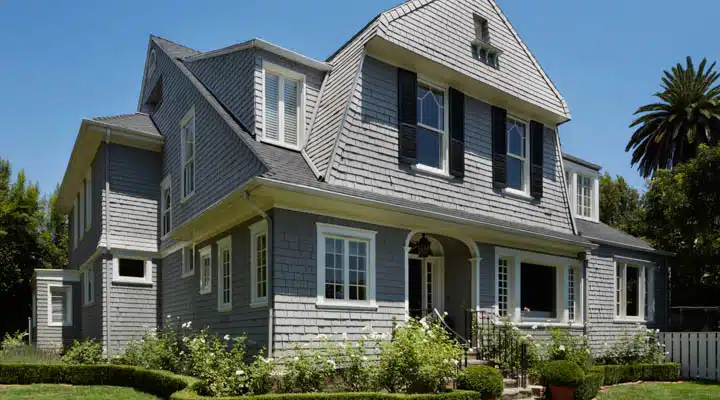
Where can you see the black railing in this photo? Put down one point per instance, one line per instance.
(497, 343)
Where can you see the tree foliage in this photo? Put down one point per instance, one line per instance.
(620, 205)
(32, 236)
(685, 116)
(682, 212)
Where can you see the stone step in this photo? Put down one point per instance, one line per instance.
(530, 392)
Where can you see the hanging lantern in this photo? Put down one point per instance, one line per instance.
(423, 247)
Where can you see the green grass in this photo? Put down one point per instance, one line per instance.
(652, 391)
(66, 392)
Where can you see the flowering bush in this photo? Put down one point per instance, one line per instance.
(357, 372)
(262, 374)
(158, 349)
(421, 357)
(84, 351)
(306, 369)
(218, 364)
(642, 347)
(564, 346)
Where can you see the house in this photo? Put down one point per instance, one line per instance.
(260, 191)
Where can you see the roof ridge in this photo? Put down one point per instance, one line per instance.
(174, 43)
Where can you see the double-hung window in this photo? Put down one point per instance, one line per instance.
(188, 261)
(88, 283)
(584, 196)
(346, 266)
(225, 273)
(59, 305)
(187, 141)
(634, 291)
(518, 166)
(259, 263)
(205, 270)
(283, 106)
(165, 207)
(432, 134)
(88, 200)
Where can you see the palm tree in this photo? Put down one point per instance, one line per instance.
(670, 131)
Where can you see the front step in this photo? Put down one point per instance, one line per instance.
(530, 392)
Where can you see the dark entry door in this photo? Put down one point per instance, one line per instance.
(415, 288)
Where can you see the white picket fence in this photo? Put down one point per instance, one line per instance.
(697, 352)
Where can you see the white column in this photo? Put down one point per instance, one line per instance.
(475, 283)
(407, 282)
(515, 290)
(563, 293)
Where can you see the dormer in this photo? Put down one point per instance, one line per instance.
(482, 50)
(583, 185)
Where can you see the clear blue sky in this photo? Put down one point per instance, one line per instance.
(61, 63)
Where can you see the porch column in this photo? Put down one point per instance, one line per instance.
(406, 250)
(475, 283)
(517, 307)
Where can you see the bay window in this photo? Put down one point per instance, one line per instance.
(634, 291)
(346, 266)
(432, 134)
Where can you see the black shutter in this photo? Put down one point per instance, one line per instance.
(457, 133)
(537, 134)
(499, 148)
(407, 116)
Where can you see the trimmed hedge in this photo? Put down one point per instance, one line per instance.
(589, 387)
(483, 379)
(614, 374)
(158, 383)
(454, 395)
(562, 373)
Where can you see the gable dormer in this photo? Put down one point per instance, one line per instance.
(583, 185)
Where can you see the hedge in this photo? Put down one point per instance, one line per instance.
(589, 387)
(562, 373)
(454, 395)
(158, 383)
(614, 374)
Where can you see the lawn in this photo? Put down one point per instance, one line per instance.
(66, 392)
(651, 391)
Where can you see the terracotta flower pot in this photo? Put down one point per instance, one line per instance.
(562, 392)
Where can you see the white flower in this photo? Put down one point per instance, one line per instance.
(182, 352)
(212, 354)
(168, 316)
(202, 340)
(561, 348)
(364, 358)
(296, 359)
(227, 338)
(331, 362)
(534, 327)
(515, 328)
(322, 337)
(456, 362)
(344, 335)
(239, 372)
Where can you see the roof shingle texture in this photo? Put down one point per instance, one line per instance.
(603, 232)
(137, 122)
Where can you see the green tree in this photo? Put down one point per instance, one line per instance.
(620, 205)
(686, 116)
(682, 212)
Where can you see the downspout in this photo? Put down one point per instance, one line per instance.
(586, 264)
(108, 270)
(271, 316)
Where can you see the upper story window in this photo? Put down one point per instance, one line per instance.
(583, 187)
(187, 138)
(88, 200)
(482, 50)
(284, 106)
(132, 270)
(165, 207)
(518, 166)
(432, 137)
(584, 196)
(152, 61)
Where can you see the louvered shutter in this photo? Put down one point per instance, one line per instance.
(537, 134)
(457, 133)
(407, 116)
(499, 147)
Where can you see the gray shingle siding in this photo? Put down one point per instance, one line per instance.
(602, 327)
(367, 158)
(89, 243)
(294, 246)
(53, 337)
(92, 314)
(222, 161)
(183, 302)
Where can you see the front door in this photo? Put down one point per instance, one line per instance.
(426, 283)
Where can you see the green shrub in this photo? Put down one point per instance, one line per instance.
(564, 346)
(86, 351)
(158, 349)
(219, 364)
(483, 379)
(12, 340)
(306, 370)
(29, 354)
(562, 373)
(642, 347)
(614, 374)
(589, 387)
(421, 357)
(158, 383)
(356, 372)
(261, 374)
(188, 394)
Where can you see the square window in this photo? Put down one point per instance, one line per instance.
(131, 268)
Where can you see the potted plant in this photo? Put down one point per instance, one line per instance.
(563, 378)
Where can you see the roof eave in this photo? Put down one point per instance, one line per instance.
(629, 246)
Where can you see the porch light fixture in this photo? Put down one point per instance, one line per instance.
(423, 247)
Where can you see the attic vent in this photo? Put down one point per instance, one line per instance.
(155, 98)
(482, 50)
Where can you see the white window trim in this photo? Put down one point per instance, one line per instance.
(646, 267)
(525, 191)
(324, 230)
(188, 271)
(572, 171)
(166, 184)
(222, 244)
(81, 208)
(68, 305)
(75, 224)
(562, 264)
(88, 274)
(284, 73)
(258, 229)
(443, 171)
(88, 199)
(190, 115)
(146, 280)
(205, 252)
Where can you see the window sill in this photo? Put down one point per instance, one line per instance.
(205, 291)
(347, 305)
(188, 274)
(259, 303)
(224, 308)
(59, 324)
(630, 321)
(517, 194)
(279, 144)
(586, 218)
(130, 281)
(422, 169)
